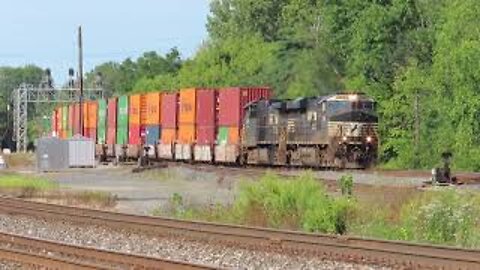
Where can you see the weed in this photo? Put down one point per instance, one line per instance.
(93, 198)
(346, 184)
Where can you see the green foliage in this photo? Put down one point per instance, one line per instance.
(16, 181)
(443, 217)
(346, 184)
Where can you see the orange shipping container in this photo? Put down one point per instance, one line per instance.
(92, 115)
(143, 109)
(134, 110)
(234, 135)
(186, 133)
(187, 112)
(168, 135)
(153, 103)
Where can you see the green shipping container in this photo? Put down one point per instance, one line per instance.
(122, 120)
(222, 137)
(69, 133)
(102, 121)
(64, 117)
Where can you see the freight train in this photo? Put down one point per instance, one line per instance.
(239, 126)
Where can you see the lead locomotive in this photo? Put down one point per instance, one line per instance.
(337, 131)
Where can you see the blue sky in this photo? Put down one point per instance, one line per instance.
(44, 32)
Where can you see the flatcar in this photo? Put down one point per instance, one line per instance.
(229, 126)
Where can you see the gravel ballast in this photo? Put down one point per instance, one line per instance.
(165, 247)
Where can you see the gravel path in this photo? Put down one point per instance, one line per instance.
(175, 249)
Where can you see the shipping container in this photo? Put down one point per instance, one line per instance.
(134, 111)
(169, 110)
(122, 120)
(77, 130)
(71, 119)
(186, 134)
(90, 133)
(152, 134)
(91, 114)
(65, 117)
(187, 106)
(134, 134)
(102, 122)
(153, 103)
(206, 116)
(111, 121)
(228, 135)
(143, 109)
(168, 136)
(232, 102)
(59, 118)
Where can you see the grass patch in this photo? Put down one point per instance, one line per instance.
(16, 160)
(92, 198)
(444, 216)
(24, 185)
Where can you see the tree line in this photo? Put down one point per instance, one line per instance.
(418, 58)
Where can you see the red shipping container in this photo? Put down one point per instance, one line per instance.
(134, 136)
(90, 133)
(233, 100)
(169, 111)
(206, 116)
(112, 121)
(76, 119)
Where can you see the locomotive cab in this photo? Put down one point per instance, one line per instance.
(352, 128)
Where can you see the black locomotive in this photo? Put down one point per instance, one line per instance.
(337, 131)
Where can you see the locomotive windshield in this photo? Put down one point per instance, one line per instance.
(337, 106)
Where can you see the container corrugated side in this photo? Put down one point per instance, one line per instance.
(54, 119)
(112, 121)
(77, 129)
(134, 110)
(228, 135)
(92, 115)
(186, 133)
(122, 120)
(233, 100)
(65, 117)
(102, 122)
(169, 110)
(206, 116)
(152, 134)
(153, 108)
(187, 106)
(71, 117)
(168, 136)
(134, 134)
(143, 109)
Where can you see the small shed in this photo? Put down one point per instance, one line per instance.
(81, 152)
(54, 154)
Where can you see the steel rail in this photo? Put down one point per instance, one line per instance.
(328, 246)
(66, 255)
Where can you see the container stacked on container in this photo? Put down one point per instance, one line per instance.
(64, 122)
(101, 127)
(90, 117)
(121, 139)
(232, 102)
(168, 121)
(152, 124)
(187, 117)
(206, 119)
(134, 131)
(111, 126)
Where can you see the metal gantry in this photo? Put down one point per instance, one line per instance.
(27, 93)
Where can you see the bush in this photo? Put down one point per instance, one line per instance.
(443, 217)
(300, 203)
(346, 184)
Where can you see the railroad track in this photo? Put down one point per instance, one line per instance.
(354, 249)
(36, 252)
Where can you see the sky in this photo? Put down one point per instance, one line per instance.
(44, 32)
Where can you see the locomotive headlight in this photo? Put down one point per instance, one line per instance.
(344, 138)
(369, 139)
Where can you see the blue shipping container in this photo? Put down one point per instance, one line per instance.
(153, 134)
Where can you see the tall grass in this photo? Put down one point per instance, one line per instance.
(12, 181)
(450, 217)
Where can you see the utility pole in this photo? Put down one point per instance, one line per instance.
(80, 76)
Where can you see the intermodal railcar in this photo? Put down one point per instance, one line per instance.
(229, 126)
